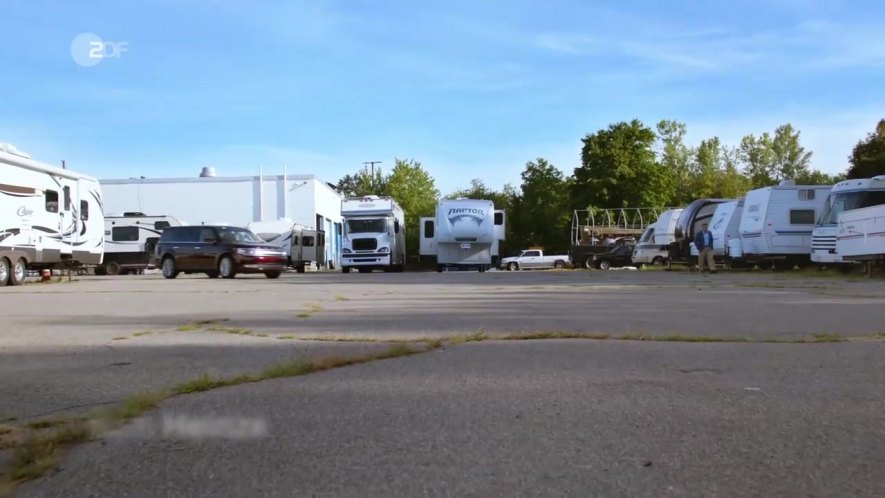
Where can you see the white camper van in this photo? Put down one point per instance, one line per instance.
(48, 216)
(303, 245)
(130, 240)
(374, 234)
(777, 222)
(861, 234)
(463, 233)
(653, 245)
(844, 196)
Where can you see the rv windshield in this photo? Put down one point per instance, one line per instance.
(235, 235)
(846, 201)
(377, 225)
(647, 236)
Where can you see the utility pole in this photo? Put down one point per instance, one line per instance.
(372, 163)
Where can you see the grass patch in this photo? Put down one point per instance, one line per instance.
(45, 423)
(72, 434)
(341, 298)
(288, 337)
(133, 406)
(822, 338)
(188, 327)
(260, 335)
(121, 338)
(32, 458)
(202, 383)
(474, 337)
(287, 369)
(309, 310)
(231, 330)
(199, 324)
(142, 334)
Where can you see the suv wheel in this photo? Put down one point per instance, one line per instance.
(226, 267)
(169, 269)
(273, 274)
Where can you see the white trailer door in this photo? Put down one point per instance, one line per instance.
(427, 246)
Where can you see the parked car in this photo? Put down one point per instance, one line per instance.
(217, 251)
(585, 255)
(618, 257)
(533, 259)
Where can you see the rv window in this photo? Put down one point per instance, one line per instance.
(161, 225)
(802, 217)
(308, 241)
(52, 201)
(806, 194)
(295, 240)
(499, 219)
(84, 210)
(124, 234)
(67, 198)
(428, 229)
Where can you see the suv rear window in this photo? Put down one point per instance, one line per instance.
(181, 234)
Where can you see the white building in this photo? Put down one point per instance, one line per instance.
(236, 201)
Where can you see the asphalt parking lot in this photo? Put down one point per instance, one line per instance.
(510, 417)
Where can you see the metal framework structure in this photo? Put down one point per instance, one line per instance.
(611, 222)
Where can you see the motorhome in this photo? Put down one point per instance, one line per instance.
(653, 244)
(861, 234)
(844, 196)
(130, 240)
(687, 225)
(463, 234)
(303, 246)
(48, 216)
(777, 222)
(374, 234)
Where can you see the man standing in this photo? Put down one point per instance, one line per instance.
(703, 240)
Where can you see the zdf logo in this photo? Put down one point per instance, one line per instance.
(88, 49)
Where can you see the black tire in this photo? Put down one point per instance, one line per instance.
(273, 274)
(113, 268)
(100, 271)
(513, 266)
(588, 263)
(5, 272)
(345, 269)
(364, 269)
(440, 268)
(300, 268)
(658, 261)
(169, 268)
(605, 265)
(18, 273)
(212, 274)
(226, 267)
(559, 265)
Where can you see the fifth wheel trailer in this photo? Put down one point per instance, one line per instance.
(130, 240)
(463, 234)
(302, 245)
(48, 216)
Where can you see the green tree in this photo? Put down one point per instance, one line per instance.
(731, 182)
(415, 191)
(675, 157)
(758, 158)
(619, 169)
(790, 159)
(543, 216)
(362, 183)
(868, 157)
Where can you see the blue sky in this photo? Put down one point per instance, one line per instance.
(469, 88)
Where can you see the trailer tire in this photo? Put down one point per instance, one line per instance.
(300, 267)
(100, 271)
(18, 273)
(514, 266)
(5, 270)
(226, 267)
(112, 268)
(345, 269)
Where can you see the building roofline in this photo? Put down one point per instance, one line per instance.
(211, 179)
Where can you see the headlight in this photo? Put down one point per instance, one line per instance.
(346, 251)
(384, 250)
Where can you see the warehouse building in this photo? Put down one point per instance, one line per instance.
(237, 201)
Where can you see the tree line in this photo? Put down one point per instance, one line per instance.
(627, 164)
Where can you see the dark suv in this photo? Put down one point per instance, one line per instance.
(216, 251)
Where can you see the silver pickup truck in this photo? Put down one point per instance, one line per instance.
(532, 259)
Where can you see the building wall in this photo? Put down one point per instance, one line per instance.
(233, 200)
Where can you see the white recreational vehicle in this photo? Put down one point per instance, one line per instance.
(302, 245)
(844, 196)
(48, 216)
(130, 240)
(861, 234)
(777, 222)
(462, 234)
(653, 244)
(374, 234)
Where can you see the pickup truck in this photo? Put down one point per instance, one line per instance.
(534, 258)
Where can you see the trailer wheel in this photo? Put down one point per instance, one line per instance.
(4, 272)
(513, 266)
(112, 268)
(19, 270)
(100, 271)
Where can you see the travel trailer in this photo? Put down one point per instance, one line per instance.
(844, 196)
(48, 216)
(653, 244)
(463, 234)
(302, 245)
(777, 222)
(861, 235)
(725, 227)
(687, 225)
(130, 240)
(374, 234)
